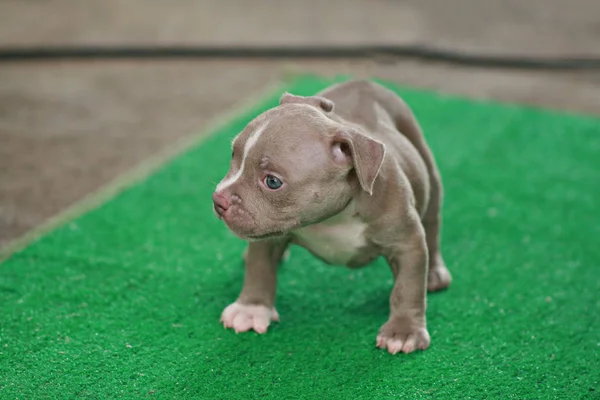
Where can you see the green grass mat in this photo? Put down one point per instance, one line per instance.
(124, 301)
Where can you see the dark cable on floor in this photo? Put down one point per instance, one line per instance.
(387, 53)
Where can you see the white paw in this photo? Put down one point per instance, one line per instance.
(243, 318)
(403, 334)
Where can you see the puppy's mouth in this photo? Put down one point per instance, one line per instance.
(251, 236)
(240, 228)
(246, 235)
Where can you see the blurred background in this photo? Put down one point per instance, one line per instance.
(67, 127)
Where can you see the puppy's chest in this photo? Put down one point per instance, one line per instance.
(339, 240)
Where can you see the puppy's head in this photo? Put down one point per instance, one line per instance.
(293, 166)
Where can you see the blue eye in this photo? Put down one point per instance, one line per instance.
(273, 182)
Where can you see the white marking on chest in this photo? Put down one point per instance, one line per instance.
(252, 140)
(336, 240)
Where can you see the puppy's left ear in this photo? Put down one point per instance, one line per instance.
(315, 101)
(365, 154)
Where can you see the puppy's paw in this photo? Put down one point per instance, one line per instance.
(401, 334)
(242, 317)
(439, 278)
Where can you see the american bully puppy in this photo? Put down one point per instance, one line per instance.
(346, 174)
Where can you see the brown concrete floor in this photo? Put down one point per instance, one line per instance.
(68, 128)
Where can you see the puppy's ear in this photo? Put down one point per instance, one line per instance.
(364, 153)
(316, 101)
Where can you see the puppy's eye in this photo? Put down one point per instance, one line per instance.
(272, 182)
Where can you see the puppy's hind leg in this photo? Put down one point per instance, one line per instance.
(438, 275)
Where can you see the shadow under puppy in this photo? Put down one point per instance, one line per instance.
(346, 174)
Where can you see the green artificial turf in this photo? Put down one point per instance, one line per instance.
(124, 302)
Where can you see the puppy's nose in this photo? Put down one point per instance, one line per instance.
(221, 203)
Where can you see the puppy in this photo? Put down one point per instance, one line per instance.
(346, 174)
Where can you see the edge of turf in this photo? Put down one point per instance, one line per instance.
(142, 170)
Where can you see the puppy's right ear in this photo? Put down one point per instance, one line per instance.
(315, 101)
(362, 152)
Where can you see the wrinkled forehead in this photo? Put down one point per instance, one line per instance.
(284, 137)
(293, 120)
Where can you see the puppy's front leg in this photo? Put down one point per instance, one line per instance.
(255, 306)
(406, 328)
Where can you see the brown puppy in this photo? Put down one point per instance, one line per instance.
(348, 175)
